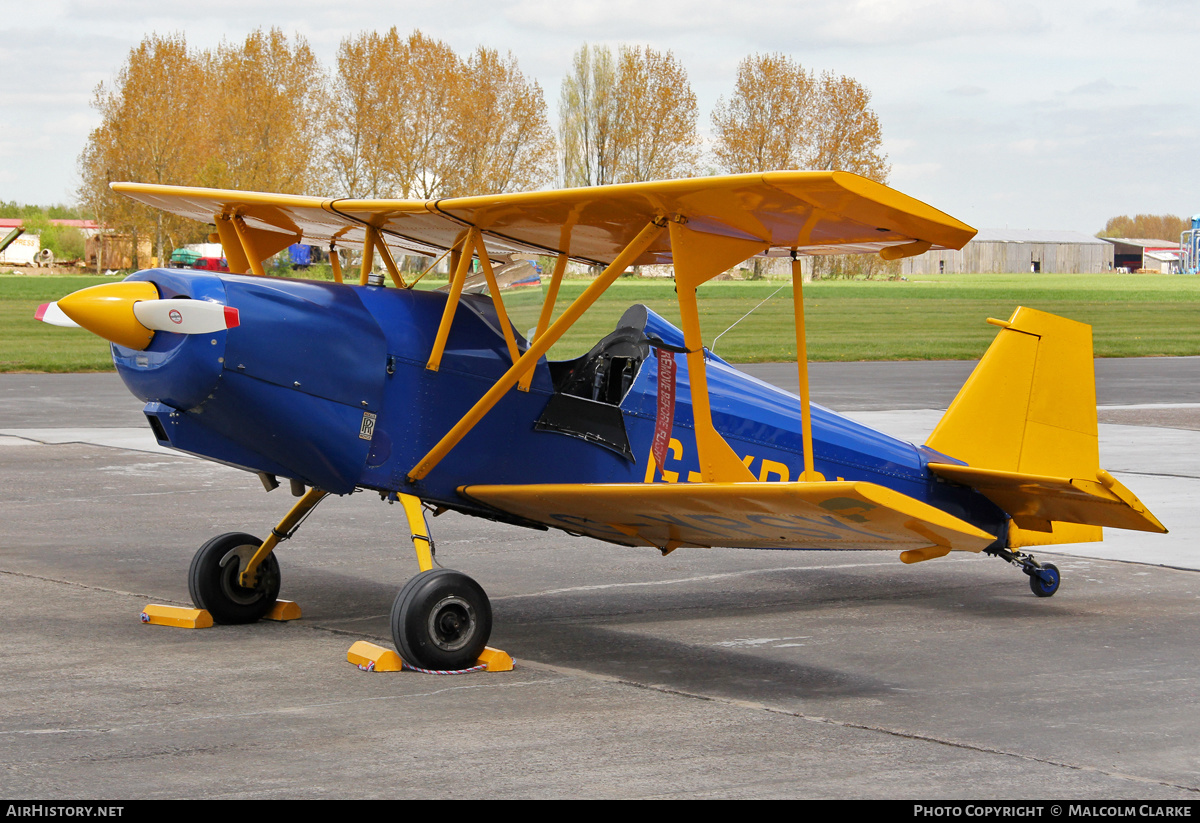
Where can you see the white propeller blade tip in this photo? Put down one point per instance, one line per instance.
(183, 316)
(52, 314)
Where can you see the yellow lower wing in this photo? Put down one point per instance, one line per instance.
(834, 515)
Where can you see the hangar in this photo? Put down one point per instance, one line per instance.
(1139, 254)
(996, 251)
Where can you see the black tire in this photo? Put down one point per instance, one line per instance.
(1045, 588)
(215, 587)
(442, 620)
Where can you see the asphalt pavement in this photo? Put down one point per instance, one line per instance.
(706, 673)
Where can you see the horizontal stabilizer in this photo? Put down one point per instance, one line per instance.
(826, 515)
(1034, 500)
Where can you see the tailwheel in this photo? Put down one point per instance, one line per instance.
(441, 620)
(213, 580)
(1043, 577)
(1044, 580)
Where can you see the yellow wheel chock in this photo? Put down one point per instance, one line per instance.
(178, 616)
(372, 658)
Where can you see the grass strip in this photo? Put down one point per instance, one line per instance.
(933, 318)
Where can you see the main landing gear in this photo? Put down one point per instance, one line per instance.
(441, 619)
(1043, 577)
(236, 577)
(214, 585)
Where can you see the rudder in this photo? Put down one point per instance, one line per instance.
(1029, 407)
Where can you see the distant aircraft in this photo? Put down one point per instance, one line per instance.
(435, 400)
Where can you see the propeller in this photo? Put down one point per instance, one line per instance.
(52, 314)
(184, 316)
(128, 313)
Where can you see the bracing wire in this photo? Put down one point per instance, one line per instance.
(713, 347)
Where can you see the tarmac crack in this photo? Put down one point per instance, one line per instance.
(926, 738)
(86, 586)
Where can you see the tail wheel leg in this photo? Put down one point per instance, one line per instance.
(1043, 577)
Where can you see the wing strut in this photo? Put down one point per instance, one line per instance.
(231, 244)
(335, 262)
(810, 472)
(560, 268)
(460, 259)
(247, 247)
(699, 257)
(536, 349)
(498, 302)
(389, 261)
(368, 255)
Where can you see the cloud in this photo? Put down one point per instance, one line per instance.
(905, 173)
(785, 24)
(1101, 86)
(967, 91)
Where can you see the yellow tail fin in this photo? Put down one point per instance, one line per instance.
(1029, 408)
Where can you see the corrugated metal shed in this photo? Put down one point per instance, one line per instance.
(1034, 236)
(1133, 253)
(1143, 243)
(998, 251)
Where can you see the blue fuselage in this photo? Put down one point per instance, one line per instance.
(328, 384)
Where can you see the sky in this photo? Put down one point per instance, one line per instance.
(1003, 113)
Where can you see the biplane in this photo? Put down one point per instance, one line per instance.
(434, 399)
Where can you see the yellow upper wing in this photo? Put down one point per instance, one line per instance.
(812, 212)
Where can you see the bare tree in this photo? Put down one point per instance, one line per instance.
(587, 118)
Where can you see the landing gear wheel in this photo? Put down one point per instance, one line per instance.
(441, 620)
(1044, 581)
(213, 580)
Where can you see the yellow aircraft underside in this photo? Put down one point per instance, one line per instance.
(815, 515)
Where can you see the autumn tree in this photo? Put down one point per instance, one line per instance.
(782, 116)
(239, 117)
(656, 117)
(844, 133)
(1146, 227)
(264, 99)
(361, 123)
(410, 119)
(352, 109)
(503, 136)
(763, 125)
(628, 118)
(147, 134)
